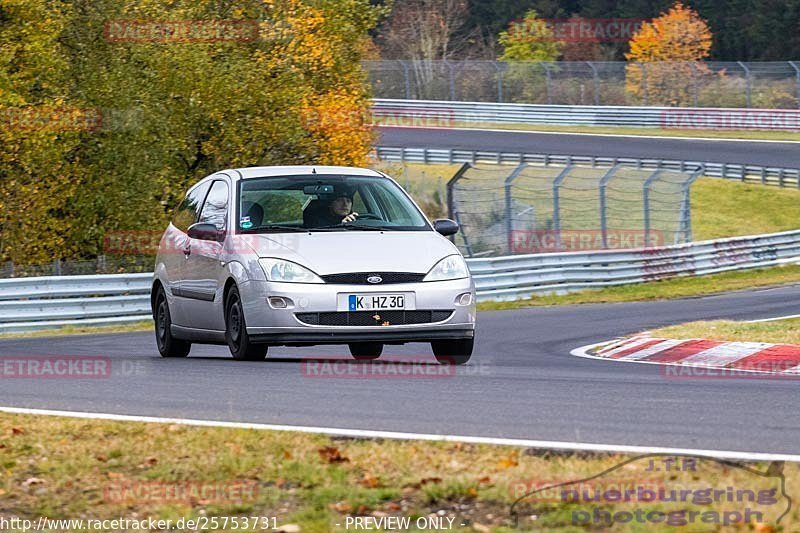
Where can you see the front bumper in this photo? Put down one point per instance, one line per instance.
(266, 324)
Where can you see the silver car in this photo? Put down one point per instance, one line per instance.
(302, 255)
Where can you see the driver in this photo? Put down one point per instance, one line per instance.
(333, 210)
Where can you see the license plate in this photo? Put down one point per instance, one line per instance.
(375, 302)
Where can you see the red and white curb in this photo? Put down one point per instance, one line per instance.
(731, 357)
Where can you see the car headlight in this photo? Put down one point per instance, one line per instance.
(451, 267)
(286, 271)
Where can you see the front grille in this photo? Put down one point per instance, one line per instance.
(360, 278)
(367, 318)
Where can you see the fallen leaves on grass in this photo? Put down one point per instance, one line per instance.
(507, 462)
(331, 455)
(369, 481)
(342, 506)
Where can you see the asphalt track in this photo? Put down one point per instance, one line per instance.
(522, 383)
(769, 154)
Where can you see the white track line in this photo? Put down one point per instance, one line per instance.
(787, 317)
(576, 134)
(375, 434)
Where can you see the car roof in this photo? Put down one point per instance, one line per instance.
(298, 170)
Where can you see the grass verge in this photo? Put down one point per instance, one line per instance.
(70, 468)
(145, 325)
(657, 132)
(777, 331)
(664, 289)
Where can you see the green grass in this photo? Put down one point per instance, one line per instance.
(70, 468)
(659, 132)
(663, 290)
(722, 208)
(145, 325)
(777, 331)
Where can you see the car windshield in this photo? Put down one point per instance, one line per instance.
(317, 202)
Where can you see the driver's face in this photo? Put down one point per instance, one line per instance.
(341, 206)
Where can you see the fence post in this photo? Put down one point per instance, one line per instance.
(500, 71)
(452, 77)
(547, 83)
(603, 222)
(449, 187)
(596, 81)
(646, 204)
(406, 78)
(686, 216)
(748, 87)
(556, 206)
(57, 267)
(508, 203)
(797, 82)
(694, 82)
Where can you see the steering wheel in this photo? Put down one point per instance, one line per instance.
(369, 216)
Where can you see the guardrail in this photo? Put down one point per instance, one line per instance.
(121, 298)
(517, 276)
(781, 177)
(448, 113)
(28, 304)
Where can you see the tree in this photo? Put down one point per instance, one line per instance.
(529, 40)
(527, 48)
(427, 32)
(171, 111)
(666, 56)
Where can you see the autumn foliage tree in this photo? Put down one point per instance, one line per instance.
(530, 39)
(105, 125)
(527, 45)
(665, 57)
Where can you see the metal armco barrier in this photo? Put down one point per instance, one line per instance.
(518, 276)
(781, 177)
(28, 304)
(120, 298)
(450, 114)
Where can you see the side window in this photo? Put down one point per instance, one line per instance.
(187, 212)
(215, 210)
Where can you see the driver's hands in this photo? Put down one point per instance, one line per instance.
(350, 218)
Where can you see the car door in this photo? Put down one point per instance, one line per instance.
(176, 242)
(204, 266)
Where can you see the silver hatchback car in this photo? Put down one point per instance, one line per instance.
(302, 255)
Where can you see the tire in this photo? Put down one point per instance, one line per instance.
(454, 351)
(236, 331)
(365, 351)
(168, 346)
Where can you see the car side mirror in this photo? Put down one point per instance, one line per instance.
(445, 226)
(206, 232)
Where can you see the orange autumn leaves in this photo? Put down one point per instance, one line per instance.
(664, 54)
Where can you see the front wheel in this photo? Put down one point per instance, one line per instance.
(236, 331)
(168, 346)
(453, 351)
(366, 351)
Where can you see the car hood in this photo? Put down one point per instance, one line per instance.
(356, 251)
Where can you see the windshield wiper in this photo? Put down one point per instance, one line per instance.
(350, 227)
(275, 227)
